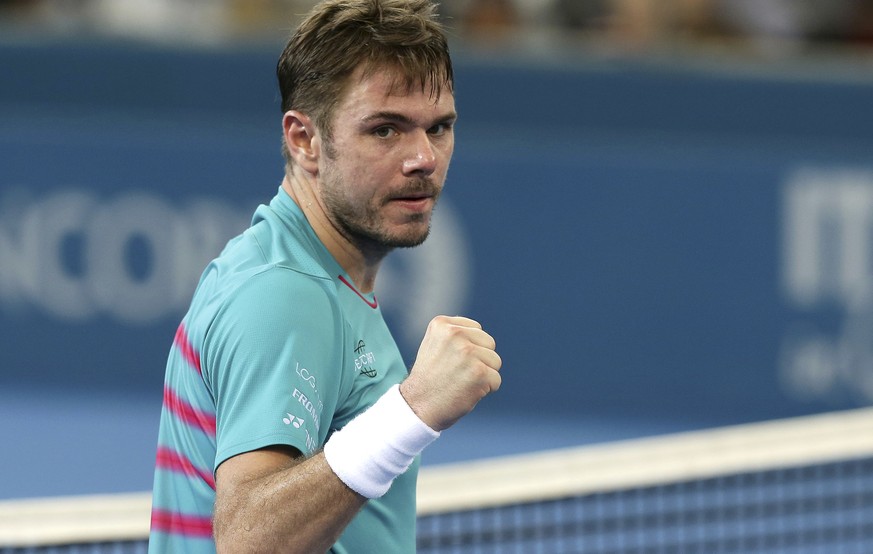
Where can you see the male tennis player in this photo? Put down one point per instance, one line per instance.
(290, 422)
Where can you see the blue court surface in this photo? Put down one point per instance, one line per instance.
(58, 444)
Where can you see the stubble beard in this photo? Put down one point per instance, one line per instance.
(364, 225)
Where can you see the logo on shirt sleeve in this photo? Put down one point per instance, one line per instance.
(293, 420)
(309, 401)
(297, 423)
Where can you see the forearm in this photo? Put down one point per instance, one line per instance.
(270, 501)
(302, 508)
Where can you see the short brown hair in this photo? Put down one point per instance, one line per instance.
(339, 35)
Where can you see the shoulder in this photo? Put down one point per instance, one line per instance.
(269, 268)
(285, 242)
(280, 297)
(269, 320)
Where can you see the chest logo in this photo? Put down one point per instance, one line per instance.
(364, 360)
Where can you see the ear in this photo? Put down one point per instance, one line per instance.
(302, 140)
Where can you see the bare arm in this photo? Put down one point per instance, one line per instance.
(274, 500)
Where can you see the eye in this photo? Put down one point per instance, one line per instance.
(440, 129)
(385, 131)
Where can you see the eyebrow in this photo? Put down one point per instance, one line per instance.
(401, 118)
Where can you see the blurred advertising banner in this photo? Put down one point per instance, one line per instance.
(645, 241)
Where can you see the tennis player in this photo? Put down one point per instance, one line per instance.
(290, 422)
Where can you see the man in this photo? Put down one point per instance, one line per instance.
(284, 428)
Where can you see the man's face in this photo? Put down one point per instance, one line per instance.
(384, 169)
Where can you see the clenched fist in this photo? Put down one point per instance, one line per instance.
(456, 366)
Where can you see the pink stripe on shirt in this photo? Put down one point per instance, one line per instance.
(181, 524)
(183, 343)
(173, 461)
(188, 413)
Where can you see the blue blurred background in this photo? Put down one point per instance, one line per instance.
(662, 210)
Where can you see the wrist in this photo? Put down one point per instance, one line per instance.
(378, 445)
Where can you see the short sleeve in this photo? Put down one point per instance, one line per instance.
(273, 361)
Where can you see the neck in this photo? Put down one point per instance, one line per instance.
(358, 261)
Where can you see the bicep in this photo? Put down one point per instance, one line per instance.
(275, 499)
(238, 479)
(246, 468)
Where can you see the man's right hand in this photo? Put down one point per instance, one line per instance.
(456, 367)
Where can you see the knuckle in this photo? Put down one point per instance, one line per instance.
(483, 372)
(437, 322)
(441, 320)
(468, 349)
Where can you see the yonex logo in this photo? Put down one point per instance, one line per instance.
(293, 420)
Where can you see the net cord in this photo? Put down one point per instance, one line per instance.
(508, 480)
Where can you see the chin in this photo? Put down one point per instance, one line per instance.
(409, 239)
(408, 242)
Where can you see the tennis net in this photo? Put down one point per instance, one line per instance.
(797, 486)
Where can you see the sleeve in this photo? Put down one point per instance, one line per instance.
(273, 361)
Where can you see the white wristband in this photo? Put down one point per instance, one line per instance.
(378, 445)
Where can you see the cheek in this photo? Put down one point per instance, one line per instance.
(373, 168)
(447, 157)
(358, 180)
(448, 149)
(356, 159)
(450, 144)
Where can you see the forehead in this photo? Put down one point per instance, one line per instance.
(381, 89)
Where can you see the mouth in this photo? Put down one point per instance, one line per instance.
(413, 196)
(417, 195)
(414, 202)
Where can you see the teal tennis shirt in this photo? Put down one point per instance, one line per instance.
(277, 348)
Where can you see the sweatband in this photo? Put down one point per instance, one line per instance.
(378, 445)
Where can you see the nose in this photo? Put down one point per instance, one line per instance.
(421, 157)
